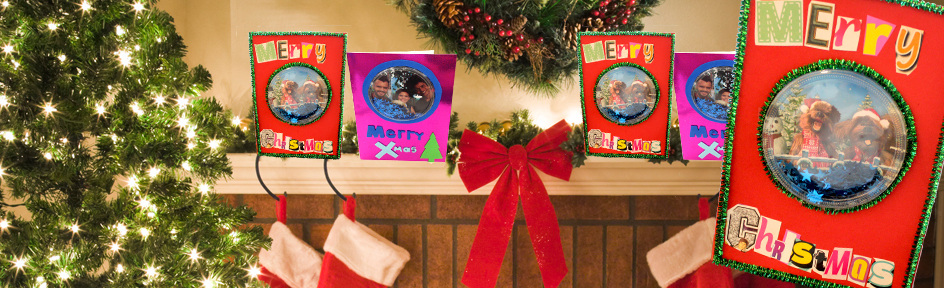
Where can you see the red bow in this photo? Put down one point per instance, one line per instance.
(483, 160)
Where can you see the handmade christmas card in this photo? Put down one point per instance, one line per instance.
(298, 84)
(625, 82)
(402, 103)
(703, 85)
(832, 163)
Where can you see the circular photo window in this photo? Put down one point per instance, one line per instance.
(835, 139)
(625, 94)
(710, 90)
(402, 94)
(298, 94)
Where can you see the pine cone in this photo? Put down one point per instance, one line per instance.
(593, 24)
(510, 54)
(517, 24)
(570, 34)
(449, 12)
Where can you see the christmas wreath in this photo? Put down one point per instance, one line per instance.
(531, 42)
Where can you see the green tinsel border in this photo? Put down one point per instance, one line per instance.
(306, 65)
(668, 125)
(871, 74)
(633, 65)
(252, 67)
(718, 255)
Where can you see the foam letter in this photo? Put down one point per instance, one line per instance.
(859, 270)
(838, 265)
(819, 261)
(610, 46)
(819, 24)
(265, 52)
(882, 273)
(781, 26)
(698, 132)
(391, 133)
(847, 39)
(593, 52)
(877, 32)
(769, 230)
(375, 131)
(802, 257)
(282, 47)
(908, 48)
(634, 50)
(789, 237)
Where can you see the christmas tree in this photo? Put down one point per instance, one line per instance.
(110, 147)
(866, 103)
(789, 110)
(431, 151)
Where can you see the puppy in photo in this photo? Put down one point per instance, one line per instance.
(818, 137)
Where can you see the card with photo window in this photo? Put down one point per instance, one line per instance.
(402, 103)
(625, 82)
(833, 144)
(298, 88)
(703, 85)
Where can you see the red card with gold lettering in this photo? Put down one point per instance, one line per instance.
(298, 92)
(833, 141)
(625, 82)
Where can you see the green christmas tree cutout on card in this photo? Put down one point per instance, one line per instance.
(431, 151)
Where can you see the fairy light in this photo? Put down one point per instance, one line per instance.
(4, 102)
(182, 102)
(8, 48)
(122, 229)
(5, 4)
(254, 271)
(194, 255)
(137, 109)
(159, 100)
(7, 135)
(48, 156)
(138, 6)
(138, 48)
(119, 31)
(15, 64)
(62, 57)
(191, 145)
(64, 140)
(214, 144)
(236, 121)
(48, 108)
(144, 203)
(183, 121)
(54, 258)
(114, 247)
(186, 165)
(204, 188)
(209, 282)
(154, 171)
(133, 182)
(191, 133)
(124, 57)
(150, 271)
(74, 228)
(100, 109)
(85, 6)
(4, 225)
(145, 233)
(120, 268)
(235, 236)
(52, 26)
(19, 263)
(64, 275)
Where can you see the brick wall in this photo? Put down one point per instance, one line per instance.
(605, 238)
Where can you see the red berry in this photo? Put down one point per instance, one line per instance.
(477, 53)
(501, 33)
(631, 2)
(624, 21)
(540, 39)
(477, 10)
(603, 10)
(527, 45)
(488, 17)
(462, 39)
(491, 30)
(520, 37)
(595, 13)
(610, 21)
(471, 11)
(472, 37)
(603, 3)
(462, 30)
(461, 23)
(465, 18)
(628, 11)
(517, 50)
(500, 21)
(468, 51)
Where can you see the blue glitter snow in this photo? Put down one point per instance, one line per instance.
(711, 109)
(299, 114)
(392, 111)
(628, 114)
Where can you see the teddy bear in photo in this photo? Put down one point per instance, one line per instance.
(818, 137)
(866, 134)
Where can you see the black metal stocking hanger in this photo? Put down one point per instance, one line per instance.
(259, 176)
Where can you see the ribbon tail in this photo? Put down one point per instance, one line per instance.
(543, 228)
(494, 232)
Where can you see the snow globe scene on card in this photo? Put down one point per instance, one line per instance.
(297, 94)
(710, 92)
(835, 139)
(401, 94)
(625, 94)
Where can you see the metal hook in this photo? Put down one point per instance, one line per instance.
(266, 188)
(332, 184)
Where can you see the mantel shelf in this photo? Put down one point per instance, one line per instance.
(600, 176)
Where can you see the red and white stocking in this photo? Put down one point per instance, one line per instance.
(289, 262)
(357, 257)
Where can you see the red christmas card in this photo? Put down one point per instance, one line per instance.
(844, 197)
(625, 82)
(298, 92)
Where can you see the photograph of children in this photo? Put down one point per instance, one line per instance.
(297, 95)
(711, 92)
(834, 138)
(401, 94)
(625, 95)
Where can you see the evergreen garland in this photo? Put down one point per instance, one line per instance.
(533, 43)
